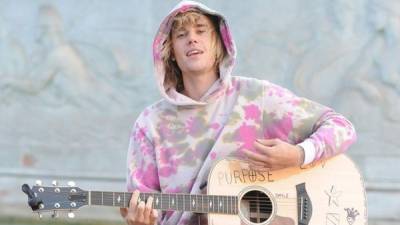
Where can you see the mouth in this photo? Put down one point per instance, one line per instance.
(193, 52)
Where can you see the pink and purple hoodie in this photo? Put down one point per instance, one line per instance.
(175, 141)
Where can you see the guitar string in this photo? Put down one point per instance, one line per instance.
(225, 199)
(109, 195)
(110, 198)
(263, 208)
(207, 201)
(204, 206)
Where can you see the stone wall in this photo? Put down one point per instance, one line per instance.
(75, 74)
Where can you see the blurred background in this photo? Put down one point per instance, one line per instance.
(75, 74)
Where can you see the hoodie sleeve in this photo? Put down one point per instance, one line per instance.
(142, 168)
(319, 130)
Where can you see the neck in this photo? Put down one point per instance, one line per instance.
(196, 85)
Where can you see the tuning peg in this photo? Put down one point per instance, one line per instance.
(54, 182)
(71, 184)
(40, 215)
(38, 182)
(71, 215)
(55, 214)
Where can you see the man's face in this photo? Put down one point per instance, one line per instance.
(193, 46)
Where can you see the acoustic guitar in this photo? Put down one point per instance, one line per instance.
(329, 192)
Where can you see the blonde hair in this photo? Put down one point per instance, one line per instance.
(173, 75)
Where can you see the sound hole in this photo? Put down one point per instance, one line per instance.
(256, 206)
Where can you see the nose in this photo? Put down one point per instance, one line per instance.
(192, 38)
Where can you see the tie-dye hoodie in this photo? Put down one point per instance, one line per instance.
(176, 140)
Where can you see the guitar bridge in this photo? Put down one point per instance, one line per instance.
(304, 205)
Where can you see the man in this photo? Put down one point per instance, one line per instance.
(207, 114)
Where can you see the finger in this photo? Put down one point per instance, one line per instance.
(257, 163)
(148, 208)
(153, 216)
(260, 168)
(134, 200)
(269, 142)
(264, 149)
(139, 215)
(123, 212)
(255, 156)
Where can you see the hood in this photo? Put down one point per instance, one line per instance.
(225, 67)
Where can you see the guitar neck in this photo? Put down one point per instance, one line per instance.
(170, 202)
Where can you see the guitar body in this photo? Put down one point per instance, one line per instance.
(332, 194)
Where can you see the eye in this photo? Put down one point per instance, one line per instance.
(180, 34)
(201, 31)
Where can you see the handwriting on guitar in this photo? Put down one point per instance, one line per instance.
(243, 176)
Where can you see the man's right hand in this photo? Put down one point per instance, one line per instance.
(139, 212)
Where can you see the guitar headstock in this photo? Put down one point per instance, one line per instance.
(55, 198)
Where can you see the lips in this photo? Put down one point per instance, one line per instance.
(192, 52)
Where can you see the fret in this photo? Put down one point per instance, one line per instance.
(173, 202)
(193, 202)
(190, 203)
(124, 203)
(89, 198)
(236, 205)
(186, 201)
(202, 204)
(221, 204)
(179, 202)
(169, 201)
(226, 204)
(208, 201)
(160, 199)
(232, 205)
(183, 203)
(199, 203)
(229, 207)
(157, 201)
(95, 198)
(108, 198)
(118, 199)
(215, 204)
(164, 201)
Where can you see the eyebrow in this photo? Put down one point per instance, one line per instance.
(198, 25)
(201, 25)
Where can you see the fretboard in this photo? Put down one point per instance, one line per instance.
(171, 202)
